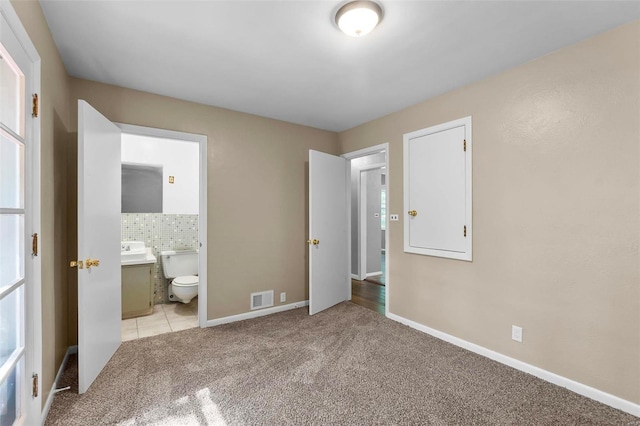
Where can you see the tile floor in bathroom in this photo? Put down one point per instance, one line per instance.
(164, 319)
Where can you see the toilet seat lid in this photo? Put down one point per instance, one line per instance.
(185, 280)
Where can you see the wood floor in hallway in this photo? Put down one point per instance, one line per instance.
(369, 295)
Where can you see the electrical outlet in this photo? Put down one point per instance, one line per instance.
(393, 217)
(516, 333)
(283, 297)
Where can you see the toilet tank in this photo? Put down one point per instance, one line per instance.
(177, 263)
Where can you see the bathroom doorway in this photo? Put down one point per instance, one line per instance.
(163, 210)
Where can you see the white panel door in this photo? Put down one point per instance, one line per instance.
(438, 190)
(99, 287)
(328, 224)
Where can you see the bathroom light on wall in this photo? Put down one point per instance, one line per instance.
(358, 18)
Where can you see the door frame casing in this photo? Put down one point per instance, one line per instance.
(361, 153)
(202, 206)
(33, 224)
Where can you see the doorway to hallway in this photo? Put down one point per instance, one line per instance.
(369, 206)
(336, 248)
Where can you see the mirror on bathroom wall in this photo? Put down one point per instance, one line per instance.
(178, 163)
(141, 188)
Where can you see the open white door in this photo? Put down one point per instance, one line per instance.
(328, 231)
(99, 284)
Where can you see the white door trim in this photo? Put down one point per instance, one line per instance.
(373, 167)
(202, 211)
(33, 293)
(361, 153)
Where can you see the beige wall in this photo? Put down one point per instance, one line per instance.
(256, 190)
(54, 118)
(556, 196)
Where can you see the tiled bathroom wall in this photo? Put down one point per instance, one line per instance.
(161, 232)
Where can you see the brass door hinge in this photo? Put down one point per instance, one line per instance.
(34, 110)
(34, 391)
(34, 244)
(464, 145)
(465, 231)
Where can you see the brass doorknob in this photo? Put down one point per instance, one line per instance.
(92, 262)
(413, 213)
(314, 242)
(76, 264)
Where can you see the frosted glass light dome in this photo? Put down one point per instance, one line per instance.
(358, 17)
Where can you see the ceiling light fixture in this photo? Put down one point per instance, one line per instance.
(358, 18)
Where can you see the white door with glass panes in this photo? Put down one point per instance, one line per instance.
(20, 344)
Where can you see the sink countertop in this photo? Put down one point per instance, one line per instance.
(149, 258)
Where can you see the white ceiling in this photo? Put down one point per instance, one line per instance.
(287, 59)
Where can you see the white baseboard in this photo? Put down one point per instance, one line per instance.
(47, 406)
(256, 314)
(355, 277)
(373, 274)
(579, 388)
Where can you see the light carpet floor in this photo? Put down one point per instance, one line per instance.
(344, 366)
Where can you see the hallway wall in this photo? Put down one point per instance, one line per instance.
(374, 224)
(356, 166)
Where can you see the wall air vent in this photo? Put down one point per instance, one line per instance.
(263, 299)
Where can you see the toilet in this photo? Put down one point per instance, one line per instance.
(180, 267)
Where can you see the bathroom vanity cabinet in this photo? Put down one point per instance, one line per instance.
(137, 290)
